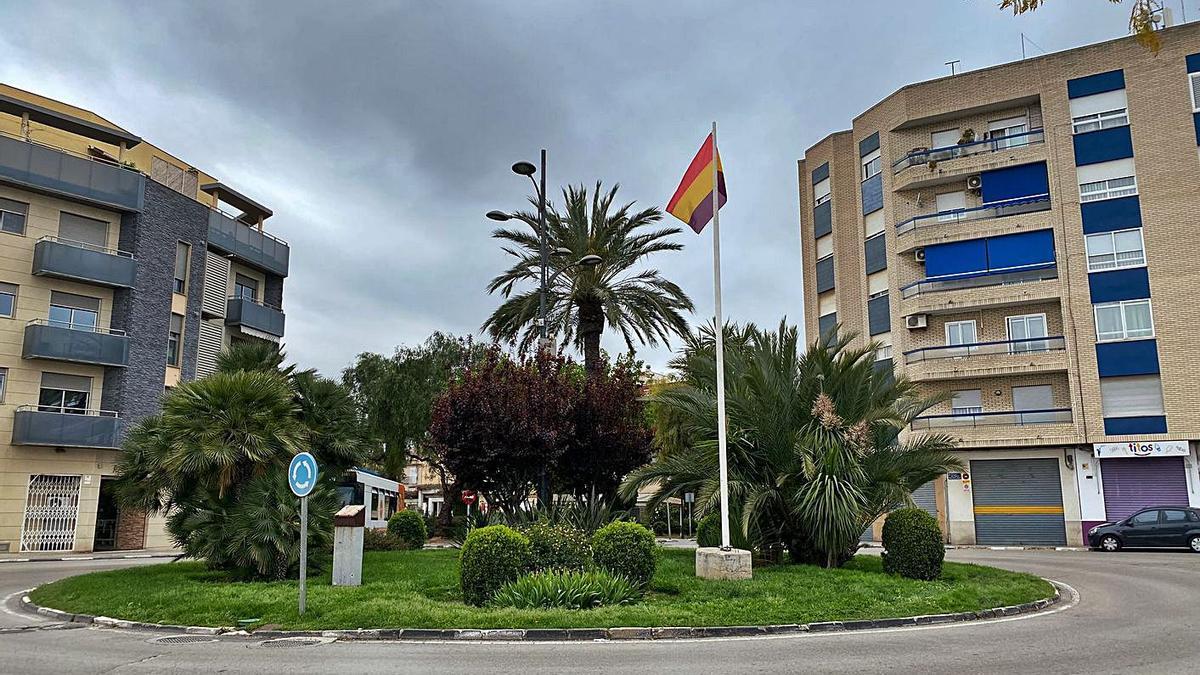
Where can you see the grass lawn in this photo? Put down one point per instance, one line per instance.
(419, 589)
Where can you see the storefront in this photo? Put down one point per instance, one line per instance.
(1018, 502)
(1119, 479)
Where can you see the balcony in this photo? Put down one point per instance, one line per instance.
(48, 170)
(247, 244)
(75, 343)
(940, 296)
(987, 359)
(944, 226)
(949, 162)
(254, 317)
(1013, 428)
(77, 261)
(53, 427)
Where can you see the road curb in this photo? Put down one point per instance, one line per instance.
(619, 634)
(78, 558)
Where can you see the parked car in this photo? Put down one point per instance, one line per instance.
(1157, 527)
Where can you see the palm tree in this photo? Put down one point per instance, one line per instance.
(815, 453)
(640, 303)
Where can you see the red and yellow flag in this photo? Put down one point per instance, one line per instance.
(693, 200)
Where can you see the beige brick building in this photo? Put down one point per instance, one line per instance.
(1020, 236)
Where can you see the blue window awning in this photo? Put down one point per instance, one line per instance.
(1024, 180)
(992, 255)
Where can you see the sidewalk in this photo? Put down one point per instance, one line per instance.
(59, 556)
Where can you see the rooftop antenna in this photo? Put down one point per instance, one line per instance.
(952, 64)
(1025, 39)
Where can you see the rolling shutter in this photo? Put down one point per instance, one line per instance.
(925, 498)
(1018, 502)
(216, 284)
(210, 336)
(1134, 483)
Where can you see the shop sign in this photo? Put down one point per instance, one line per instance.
(1141, 449)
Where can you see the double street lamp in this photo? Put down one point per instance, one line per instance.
(591, 260)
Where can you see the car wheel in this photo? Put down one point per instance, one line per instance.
(1110, 543)
(1194, 542)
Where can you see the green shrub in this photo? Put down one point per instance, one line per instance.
(912, 545)
(708, 531)
(565, 589)
(626, 550)
(557, 547)
(491, 557)
(409, 526)
(382, 540)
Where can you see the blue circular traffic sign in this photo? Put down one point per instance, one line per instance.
(302, 474)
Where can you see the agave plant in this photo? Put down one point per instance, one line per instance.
(569, 590)
(814, 440)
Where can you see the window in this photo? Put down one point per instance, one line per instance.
(950, 205)
(1145, 518)
(1131, 396)
(1022, 328)
(1101, 120)
(821, 192)
(3, 382)
(966, 402)
(1038, 398)
(77, 312)
(244, 287)
(1194, 79)
(961, 333)
(8, 300)
(1174, 516)
(1114, 250)
(1001, 131)
(883, 353)
(944, 138)
(872, 164)
(173, 340)
(183, 252)
(12, 216)
(64, 393)
(1124, 320)
(1108, 189)
(82, 230)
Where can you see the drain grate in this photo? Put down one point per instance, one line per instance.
(295, 642)
(181, 640)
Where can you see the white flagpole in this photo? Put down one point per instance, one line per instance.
(716, 206)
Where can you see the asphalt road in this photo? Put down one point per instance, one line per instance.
(1138, 613)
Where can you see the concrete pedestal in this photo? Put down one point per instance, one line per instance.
(348, 546)
(714, 563)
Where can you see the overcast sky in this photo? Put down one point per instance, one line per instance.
(381, 133)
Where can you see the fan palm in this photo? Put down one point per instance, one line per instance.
(582, 301)
(814, 446)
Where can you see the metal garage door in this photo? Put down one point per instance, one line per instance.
(1018, 501)
(1133, 483)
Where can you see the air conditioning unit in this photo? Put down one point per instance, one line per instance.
(974, 182)
(919, 254)
(914, 321)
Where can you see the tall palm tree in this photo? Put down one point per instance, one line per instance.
(814, 448)
(640, 303)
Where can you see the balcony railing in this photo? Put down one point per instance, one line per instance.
(1026, 276)
(78, 261)
(76, 343)
(248, 244)
(1017, 347)
(45, 169)
(66, 427)
(247, 313)
(1007, 207)
(987, 419)
(925, 156)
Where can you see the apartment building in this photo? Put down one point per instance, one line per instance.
(123, 271)
(1021, 237)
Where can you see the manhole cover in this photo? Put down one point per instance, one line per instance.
(295, 642)
(181, 640)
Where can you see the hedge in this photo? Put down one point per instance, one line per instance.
(912, 545)
(409, 526)
(626, 550)
(491, 557)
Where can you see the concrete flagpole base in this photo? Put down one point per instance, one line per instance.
(729, 565)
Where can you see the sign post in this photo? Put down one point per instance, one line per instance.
(468, 498)
(302, 478)
(690, 499)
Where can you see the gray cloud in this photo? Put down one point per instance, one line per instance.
(380, 133)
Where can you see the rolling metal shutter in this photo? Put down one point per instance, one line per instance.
(211, 338)
(1134, 483)
(1018, 501)
(925, 498)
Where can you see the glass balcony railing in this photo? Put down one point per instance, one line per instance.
(988, 419)
(1026, 276)
(1007, 207)
(247, 244)
(58, 341)
(1015, 347)
(925, 156)
(77, 261)
(247, 313)
(66, 428)
(45, 169)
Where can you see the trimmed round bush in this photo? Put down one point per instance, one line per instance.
(491, 557)
(626, 550)
(912, 545)
(571, 589)
(382, 540)
(409, 526)
(557, 547)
